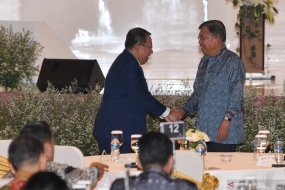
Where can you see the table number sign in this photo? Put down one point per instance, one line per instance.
(174, 130)
(266, 160)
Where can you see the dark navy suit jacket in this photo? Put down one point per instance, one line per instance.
(125, 102)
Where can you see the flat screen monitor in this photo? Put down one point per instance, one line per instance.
(62, 72)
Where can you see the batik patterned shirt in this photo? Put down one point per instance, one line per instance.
(69, 174)
(154, 178)
(219, 92)
(18, 182)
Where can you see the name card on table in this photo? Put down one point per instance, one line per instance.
(265, 160)
(174, 130)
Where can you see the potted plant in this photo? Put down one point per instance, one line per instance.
(250, 29)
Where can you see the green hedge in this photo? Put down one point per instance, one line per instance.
(72, 116)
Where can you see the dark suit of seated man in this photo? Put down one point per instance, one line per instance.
(156, 159)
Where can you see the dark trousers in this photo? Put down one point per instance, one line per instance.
(219, 147)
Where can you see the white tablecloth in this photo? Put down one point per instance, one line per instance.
(241, 167)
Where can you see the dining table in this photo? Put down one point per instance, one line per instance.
(242, 169)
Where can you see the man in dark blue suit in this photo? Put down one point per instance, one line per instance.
(126, 99)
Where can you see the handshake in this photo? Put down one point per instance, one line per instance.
(175, 115)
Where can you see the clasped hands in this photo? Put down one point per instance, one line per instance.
(175, 115)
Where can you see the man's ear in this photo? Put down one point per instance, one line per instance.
(139, 164)
(48, 150)
(42, 162)
(13, 171)
(136, 47)
(169, 165)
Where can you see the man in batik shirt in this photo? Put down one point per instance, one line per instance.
(218, 90)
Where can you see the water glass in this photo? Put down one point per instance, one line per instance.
(135, 142)
(267, 133)
(260, 144)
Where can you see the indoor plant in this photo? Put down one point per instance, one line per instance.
(250, 29)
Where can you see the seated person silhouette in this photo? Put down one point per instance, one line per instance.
(45, 181)
(26, 156)
(156, 160)
(41, 130)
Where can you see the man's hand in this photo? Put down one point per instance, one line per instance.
(102, 168)
(175, 115)
(223, 130)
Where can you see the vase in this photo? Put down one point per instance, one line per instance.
(192, 145)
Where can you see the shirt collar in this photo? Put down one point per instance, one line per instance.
(219, 53)
(23, 175)
(154, 168)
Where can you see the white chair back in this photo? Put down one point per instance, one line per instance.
(190, 163)
(69, 155)
(4, 146)
(5, 181)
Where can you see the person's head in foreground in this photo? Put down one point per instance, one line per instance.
(26, 154)
(41, 130)
(139, 43)
(45, 181)
(155, 151)
(212, 36)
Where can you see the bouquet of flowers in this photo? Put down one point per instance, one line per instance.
(193, 136)
(196, 135)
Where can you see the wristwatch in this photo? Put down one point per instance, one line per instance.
(227, 118)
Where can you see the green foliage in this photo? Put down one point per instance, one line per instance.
(248, 17)
(263, 113)
(18, 54)
(72, 116)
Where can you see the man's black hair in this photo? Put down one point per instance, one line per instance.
(136, 36)
(154, 148)
(25, 149)
(45, 181)
(39, 129)
(216, 28)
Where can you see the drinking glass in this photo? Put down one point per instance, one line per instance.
(117, 134)
(135, 142)
(267, 133)
(261, 144)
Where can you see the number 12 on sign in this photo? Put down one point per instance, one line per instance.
(174, 130)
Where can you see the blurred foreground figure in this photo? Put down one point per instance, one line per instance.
(26, 156)
(156, 160)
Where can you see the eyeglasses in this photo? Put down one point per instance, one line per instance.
(147, 46)
(202, 37)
